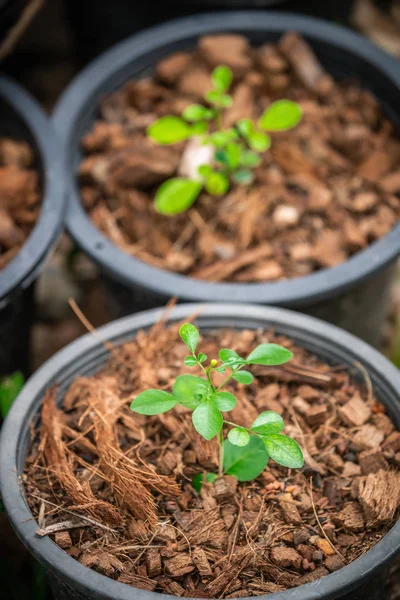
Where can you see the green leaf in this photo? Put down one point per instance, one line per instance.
(281, 115)
(207, 420)
(245, 127)
(222, 78)
(230, 358)
(259, 141)
(198, 480)
(239, 436)
(220, 369)
(245, 463)
(269, 355)
(233, 153)
(202, 357)
(218, 99)
(190, 361)
(249, 159)
(205, 171)
(196, 112)
(186, 387)
(220, 139)
(243, 177)
(10, 387)
(224, 401)
(153, 402)
(268, 422)
(221, 156)
(217, 184)
(190, 336)
(243, 377)
(176, 195)
(169, 130)
(284, 450)
(198, 128)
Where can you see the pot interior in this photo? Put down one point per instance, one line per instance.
(341, 63)
(332, 351)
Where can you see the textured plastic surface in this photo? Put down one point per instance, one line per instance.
(71, 580)
(22, 118)
(327, 292)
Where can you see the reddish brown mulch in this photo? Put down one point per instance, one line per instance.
(133, 475)
(19, 197)
(323, 192)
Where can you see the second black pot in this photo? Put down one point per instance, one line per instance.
(21, 118)
(361, 580)
(353, 295)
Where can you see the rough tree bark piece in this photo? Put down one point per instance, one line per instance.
(371, 462)
(350, 518)
(286, 558)
(355, 412)
(289, 510)
(304, 62)
(179, 565)
(379, 497)
(200, 560)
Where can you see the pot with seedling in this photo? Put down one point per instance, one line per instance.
(127, 430)
(174, 190)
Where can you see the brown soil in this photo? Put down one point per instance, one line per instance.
(19, 197)
(95, 460)
(324, 191)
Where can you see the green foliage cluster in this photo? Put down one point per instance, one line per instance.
(237, 150)
(246, 451)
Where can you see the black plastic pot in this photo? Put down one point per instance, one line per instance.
(353, 295)
(90, 19)
(362, 580)
(22, 118)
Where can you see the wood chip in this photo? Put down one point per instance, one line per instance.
(179, 565)
(63, 539)
(379, 497)
(304, 62)
(317, 415)
(368, 437)
(153, 562)
(350, 518)
(372, 461)
(334, 563)
(325, 546)
(286, 558)
(289, 510)
(355, 412)
(200, 560)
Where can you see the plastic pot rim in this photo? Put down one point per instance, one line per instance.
(325, 337)
(128, 270)
(23, 269)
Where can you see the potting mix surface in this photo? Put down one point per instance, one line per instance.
(324, 191)
(132, 474)
(19, 197)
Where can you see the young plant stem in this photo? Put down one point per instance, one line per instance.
(221, 453)
(210, 380)
(229, 377)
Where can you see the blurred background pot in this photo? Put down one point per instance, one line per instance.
(353, 295)
(21, 118)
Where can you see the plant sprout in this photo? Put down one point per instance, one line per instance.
(237, 150)
(246, 450)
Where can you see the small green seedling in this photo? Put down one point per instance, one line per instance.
(246, 450)
(237, 150)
